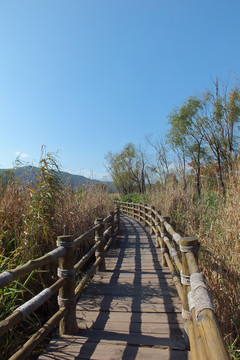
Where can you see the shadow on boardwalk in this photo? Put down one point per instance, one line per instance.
(131, 311)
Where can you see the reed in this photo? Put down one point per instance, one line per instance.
(32, 214)
(215, 218)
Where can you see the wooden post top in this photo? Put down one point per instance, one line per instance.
(98, 221)
(65, 241)
(189, 241)
(65, 237)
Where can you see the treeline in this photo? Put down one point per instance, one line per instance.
(203, 135)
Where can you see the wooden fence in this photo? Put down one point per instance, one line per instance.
(104, 231)
(202, 332)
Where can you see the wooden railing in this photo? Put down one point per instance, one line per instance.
(104, 231)
(201, 328)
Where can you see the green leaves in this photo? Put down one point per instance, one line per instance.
(206, 129)
(127, 169)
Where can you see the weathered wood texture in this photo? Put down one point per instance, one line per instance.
(130, 311)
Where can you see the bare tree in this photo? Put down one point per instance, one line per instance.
(161, 163)
(220, 126)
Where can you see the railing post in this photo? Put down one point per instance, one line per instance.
(152, 220)
(100, 250)
(139, 211)
(157, 233)
(133, 210)
(66, 297)
(112, 230)
(143, 213)
(186, 244)
(118, 217)
(145, 216)
(162, 243)
(157, 228)
(209, 341)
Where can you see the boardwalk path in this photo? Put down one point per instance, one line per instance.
(131, 311)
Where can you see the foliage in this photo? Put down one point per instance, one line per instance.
(206, 129)
(127, 169)
(185, 137)
(136, 198)
(159, 164)
(220, 128)
(233, 349)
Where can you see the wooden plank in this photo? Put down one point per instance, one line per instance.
(175, 342)
(137, 281)
(104, 289)
(78, 348)
(125, 273)
(133, 327)
(91, 300)
(147, 308)
(133, 267)
(160, 318)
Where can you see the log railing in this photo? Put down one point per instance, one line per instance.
(104, 231)
(201, 328)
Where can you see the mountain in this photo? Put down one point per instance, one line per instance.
(76, 181)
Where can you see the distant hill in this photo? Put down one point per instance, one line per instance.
(76, 181)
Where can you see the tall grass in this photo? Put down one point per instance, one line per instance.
(32, 214)
(215, 218)
(220, 258)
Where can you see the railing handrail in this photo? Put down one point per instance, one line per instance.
(105, 230)
(200, 322)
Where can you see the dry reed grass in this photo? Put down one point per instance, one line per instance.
(31, 218)
(220, 259)
(215, 218)
(74, 213)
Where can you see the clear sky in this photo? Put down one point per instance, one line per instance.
(85, 77)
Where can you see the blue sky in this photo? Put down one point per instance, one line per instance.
(85, 77)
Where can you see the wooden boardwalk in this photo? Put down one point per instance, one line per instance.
(131, 311)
